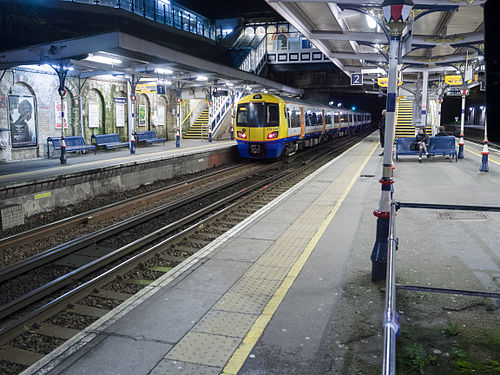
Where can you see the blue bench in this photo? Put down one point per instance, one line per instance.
(437, 146)
(108, 140)
(148, 137)
(73, 144)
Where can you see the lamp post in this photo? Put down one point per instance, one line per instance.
(62, 71)
(133, 80)
(396, 12)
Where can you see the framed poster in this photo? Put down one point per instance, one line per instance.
(120, 115)
(94, 120)
(142, 115)
(160, 115)
(22, 121)
(58, 114)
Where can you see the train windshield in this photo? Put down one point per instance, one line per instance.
(257, 115)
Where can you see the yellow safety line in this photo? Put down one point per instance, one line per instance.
(240, 355)
(67, 168)
(480, 155)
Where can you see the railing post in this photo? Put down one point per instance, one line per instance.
(144, 8)
(154, 10)
(164, 14)
(118, 3)
(132, 7)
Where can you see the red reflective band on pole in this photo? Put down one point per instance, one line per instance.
(382, 215)
(386, 182)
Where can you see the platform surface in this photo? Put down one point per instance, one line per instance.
(264, 297)
(30, 170)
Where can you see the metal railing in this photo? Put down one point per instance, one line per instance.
(219, 109)
(256, 59)
(391, 319)
(391, 325)
(161, 11)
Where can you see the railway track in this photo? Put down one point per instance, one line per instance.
(34, 323)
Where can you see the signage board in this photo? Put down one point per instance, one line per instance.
(356, 79)
(146, 88)
(384, 82)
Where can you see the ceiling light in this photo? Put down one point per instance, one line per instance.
(148, 80)
(229, 84)
(371, 22)
(163, 71)
(103, 59)
(202, 78)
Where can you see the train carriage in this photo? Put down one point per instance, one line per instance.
(268, 126)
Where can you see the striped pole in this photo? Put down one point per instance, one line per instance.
(462, 122)
(379, 251)
(485, 152)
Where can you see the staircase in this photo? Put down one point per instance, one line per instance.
(199, 129)
(404, 125)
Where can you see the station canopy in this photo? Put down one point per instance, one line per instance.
(441, 35)
(119, 55)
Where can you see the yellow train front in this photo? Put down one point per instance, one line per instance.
(268, 126)
(261, 126)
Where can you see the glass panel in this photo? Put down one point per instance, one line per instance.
(251, 115)
(272, 115)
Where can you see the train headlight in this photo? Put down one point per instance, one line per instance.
(241, 135)
(272, 135)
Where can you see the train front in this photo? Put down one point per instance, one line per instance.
(260, 126)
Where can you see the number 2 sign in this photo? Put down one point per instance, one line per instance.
(356, 79)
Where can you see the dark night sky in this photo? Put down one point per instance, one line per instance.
(228, 8)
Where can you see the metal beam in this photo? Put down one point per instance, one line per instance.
(378, 3)
(379, 38)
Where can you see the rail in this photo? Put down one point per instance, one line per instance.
(391, 319)
(161, 11)
(219, 109)
(256, 59)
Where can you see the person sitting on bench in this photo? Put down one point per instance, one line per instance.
(422, 140)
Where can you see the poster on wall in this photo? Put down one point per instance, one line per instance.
(120, 115)
(160, 115)
(58, 114)
(22, 121)
(142, 115)
(93, 115)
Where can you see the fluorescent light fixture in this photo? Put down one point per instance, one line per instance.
(103, 59)
(166, 2)
(148, 79)
(226, 31)
(371, 22)
(339, 105)
(166, 82)
(229, 84)
(202, 78)
(163, 71)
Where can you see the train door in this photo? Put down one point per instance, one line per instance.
(324, 122)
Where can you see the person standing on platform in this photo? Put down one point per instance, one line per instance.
(422, 140)
(381, 128)
(442, 132)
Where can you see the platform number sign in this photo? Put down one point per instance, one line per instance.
(356, 79)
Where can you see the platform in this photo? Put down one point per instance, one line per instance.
(288, 290)
(18, 172)
(43, 184)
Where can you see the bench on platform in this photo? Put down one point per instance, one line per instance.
(438, 146)
(73, 144)
(108, 140)
(148, 137)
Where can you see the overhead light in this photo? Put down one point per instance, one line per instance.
(163, 71)
(371, 22)
(229, 84)
(166, 2)
(339, 105)
(166, 82)
(148, 80)
(202, 78)
(103, 59)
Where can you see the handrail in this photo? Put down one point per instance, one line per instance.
(189, 114)
(252, 62)
(391, 319)
(218, 115)
(167, 13)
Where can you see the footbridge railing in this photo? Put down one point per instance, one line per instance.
(391, 319)
(161, 11)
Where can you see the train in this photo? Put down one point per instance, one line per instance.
(269, 127)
